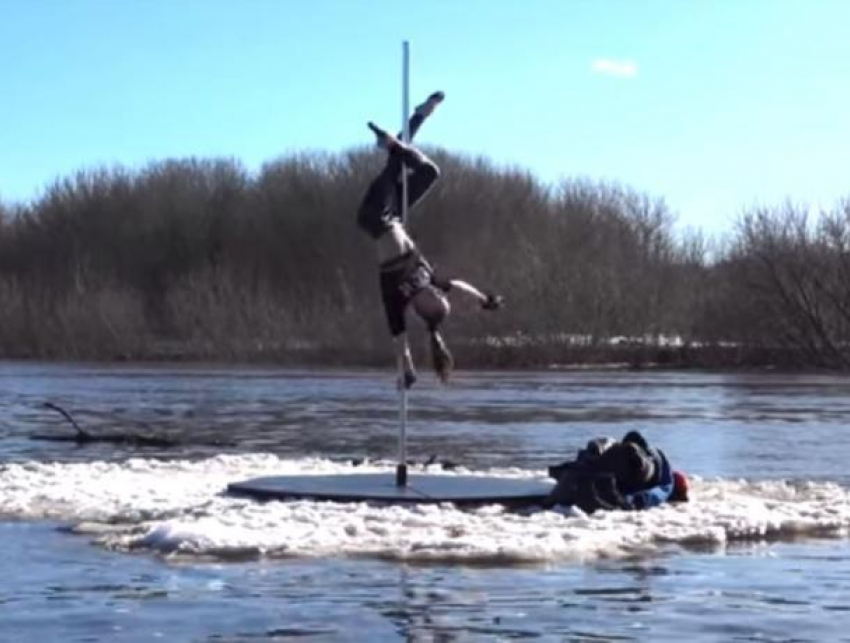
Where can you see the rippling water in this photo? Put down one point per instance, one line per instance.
(115, 543)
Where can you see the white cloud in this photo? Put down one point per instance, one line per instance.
(618, 68)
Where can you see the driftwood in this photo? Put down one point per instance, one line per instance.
(82, 437)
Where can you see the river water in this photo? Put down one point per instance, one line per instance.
(108, 542)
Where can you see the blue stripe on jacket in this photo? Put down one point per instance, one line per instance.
(658, 494)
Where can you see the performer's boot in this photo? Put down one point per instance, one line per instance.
(409, 154)
(430, 104)
(423, 111)
(384, 139)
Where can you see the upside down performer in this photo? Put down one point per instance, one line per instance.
(406, 277)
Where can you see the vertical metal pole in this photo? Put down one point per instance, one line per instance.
(401, 468)
(405, 119)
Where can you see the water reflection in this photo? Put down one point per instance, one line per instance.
(754, 592)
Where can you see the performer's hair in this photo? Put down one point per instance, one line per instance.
(441, 358)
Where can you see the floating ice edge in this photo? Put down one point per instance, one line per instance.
(178, 507)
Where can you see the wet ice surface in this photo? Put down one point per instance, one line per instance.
(180, 507)
(132, 544)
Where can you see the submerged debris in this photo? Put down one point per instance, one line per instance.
(83, 437)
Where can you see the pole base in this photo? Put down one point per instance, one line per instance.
(401, 475)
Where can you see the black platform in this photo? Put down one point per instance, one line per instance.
(381, 487)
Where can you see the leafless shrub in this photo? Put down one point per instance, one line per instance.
(199, 258)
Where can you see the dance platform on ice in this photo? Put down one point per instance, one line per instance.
(384, 487)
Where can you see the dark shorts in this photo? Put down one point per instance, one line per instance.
(400, 279)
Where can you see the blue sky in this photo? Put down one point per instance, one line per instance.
(713, 105)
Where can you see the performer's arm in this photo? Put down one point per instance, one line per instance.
(488, 301)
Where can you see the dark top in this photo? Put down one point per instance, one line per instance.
(401, 278)
(615, 476)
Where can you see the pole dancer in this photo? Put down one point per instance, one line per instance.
(406, 277)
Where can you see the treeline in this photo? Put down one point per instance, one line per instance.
(201, 259)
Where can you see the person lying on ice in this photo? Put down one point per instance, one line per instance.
(406, 277)
(607, 474)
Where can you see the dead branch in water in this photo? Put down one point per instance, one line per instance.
(82, 436)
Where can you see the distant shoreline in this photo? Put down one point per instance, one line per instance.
(202, 260)
(709, 359)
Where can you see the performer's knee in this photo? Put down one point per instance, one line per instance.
(367, 220)
(427, 173)
(371, 220)
(432, 169)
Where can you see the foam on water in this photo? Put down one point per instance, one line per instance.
(178, 507)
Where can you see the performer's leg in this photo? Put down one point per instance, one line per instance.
(423, 175)
(380, 204)
(422, 112)
(383, 199)
(422, 172)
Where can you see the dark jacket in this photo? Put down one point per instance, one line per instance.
(628, 474)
